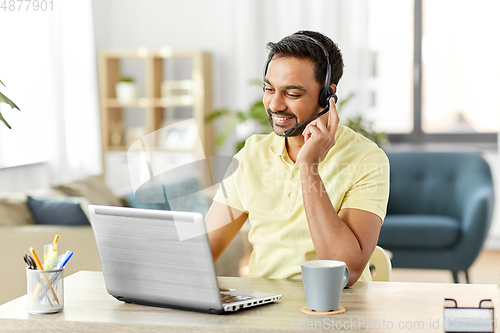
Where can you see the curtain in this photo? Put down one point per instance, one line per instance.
(78, 130)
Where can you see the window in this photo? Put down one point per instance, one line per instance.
(461, 66)
(436, 70)
(390, 43)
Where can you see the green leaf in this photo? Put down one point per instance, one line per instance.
(258, 112)
(240, 145)
(4, 99)
(216, 114)
(342, 102)
(4, 121)
(2, 83)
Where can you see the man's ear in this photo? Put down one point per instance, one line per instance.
(334, 87)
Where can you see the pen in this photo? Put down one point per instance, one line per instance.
(46, 280)
(63, 262)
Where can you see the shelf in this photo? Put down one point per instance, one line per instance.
(138, 103)
(151, 149)
(147, 102)
(165, 103)
(174, 85)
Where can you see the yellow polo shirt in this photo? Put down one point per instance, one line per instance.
(267, 186)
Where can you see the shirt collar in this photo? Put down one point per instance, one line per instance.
(278, 146)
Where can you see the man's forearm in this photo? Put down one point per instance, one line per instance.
(222, 223)
(331, 236)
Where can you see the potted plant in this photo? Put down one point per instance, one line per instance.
(359, 125)
(6, 100)
(126, 90)
(246, 123)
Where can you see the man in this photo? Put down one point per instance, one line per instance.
(320, 194)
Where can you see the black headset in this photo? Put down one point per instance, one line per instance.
(326, 92)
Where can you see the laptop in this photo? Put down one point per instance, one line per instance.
(163, 258)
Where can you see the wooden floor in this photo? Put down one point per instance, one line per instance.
(486, 270)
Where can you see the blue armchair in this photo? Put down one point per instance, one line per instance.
(439, 211)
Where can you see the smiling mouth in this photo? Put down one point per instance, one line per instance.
(280, 120)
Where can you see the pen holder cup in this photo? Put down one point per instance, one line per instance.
(45, 291)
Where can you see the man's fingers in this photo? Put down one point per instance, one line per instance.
(333, 117)
(321, 125)
(318, 123)
(310, 130)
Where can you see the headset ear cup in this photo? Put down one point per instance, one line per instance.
(325, 95)
(323, 98)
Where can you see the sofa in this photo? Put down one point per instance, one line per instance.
(34, 217)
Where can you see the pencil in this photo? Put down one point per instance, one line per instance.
(45, 276)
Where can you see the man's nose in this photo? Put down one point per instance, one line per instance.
(277, 103)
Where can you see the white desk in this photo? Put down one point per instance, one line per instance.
(88, 307)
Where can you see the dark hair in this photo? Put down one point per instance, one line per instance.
(291, 46)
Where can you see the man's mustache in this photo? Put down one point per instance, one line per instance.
(281, 114)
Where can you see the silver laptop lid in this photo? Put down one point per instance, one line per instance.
(156, 257)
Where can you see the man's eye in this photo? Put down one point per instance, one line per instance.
(293, 95)
(268, 89)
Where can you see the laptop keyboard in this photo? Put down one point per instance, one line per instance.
(232, 298)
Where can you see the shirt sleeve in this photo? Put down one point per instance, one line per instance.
(370, 185)
(231, 188)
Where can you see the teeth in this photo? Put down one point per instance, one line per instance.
(280, 119)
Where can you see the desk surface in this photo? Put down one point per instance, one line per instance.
(415, 307)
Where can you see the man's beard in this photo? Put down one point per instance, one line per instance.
(280, 114)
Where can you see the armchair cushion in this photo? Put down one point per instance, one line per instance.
(184, 195)
(148, 199)
(424, 232)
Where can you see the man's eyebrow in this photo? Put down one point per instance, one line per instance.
(297, 87)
